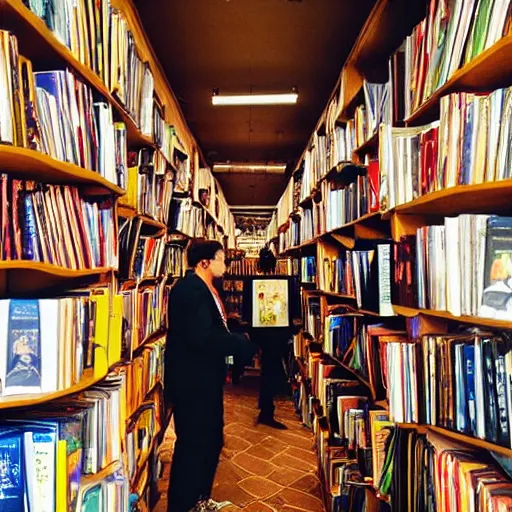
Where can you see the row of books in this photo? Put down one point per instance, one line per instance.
(462, 266)
(54, 112)
(335, 273)
(47, 344)
(144, 313)
(336, 144)
(143, 374)
(156, 258)
(99, 37)
(469, 145)
(55, 224)
(308, 269)
(40, 447)
(366, 444)
(439, 474)
(352, 195)
(450, 36)
(154, 186)
(187, 218)
(243, 267)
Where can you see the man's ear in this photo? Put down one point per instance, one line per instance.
(205, 264)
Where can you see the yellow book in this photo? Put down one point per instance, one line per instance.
(61, 483)
(101, 299)
(115, 330)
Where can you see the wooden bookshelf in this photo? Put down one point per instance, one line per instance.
(371, 220)
(489, 70)
(154, 336)
(28, 164)
(359, 377)
(388, 24)
(337, 295)
(481, 198)
(39, 44)
(475, 320)
(21, 277)
(150, 226)
(369, 146)
(471, 441)
(30, 400)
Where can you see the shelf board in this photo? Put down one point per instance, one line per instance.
(150, 226)
(457, 436)
(337, 295)
(365, 219)
(15, 401)
(29, 164)
(489, 70)
(39, 44)
(19, 277)
(493, 197)
(476, 320)
(359, 377)
(368, 146)
(154, 336)
(147, 395)
(102, 474)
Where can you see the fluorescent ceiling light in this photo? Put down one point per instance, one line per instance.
(271, 168)
(256, 99)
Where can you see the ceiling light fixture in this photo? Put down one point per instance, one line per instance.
(270, 168)
(255, 99)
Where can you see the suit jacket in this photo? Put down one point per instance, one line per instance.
(197, 344)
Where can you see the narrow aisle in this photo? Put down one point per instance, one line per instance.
(261, 469)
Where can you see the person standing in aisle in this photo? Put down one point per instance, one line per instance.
(273, 343)
(198, 342)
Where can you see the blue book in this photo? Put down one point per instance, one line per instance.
(469, 356)
(30, 240)
(11, 471)
(461, 401)
(467, 149)
(23, 348)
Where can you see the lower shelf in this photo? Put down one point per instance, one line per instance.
(490, 322)
(462, 438)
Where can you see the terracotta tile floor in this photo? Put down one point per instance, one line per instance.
(261, 469)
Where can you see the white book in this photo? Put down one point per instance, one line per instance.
(453, 270)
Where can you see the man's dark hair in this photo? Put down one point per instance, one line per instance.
(199, 250)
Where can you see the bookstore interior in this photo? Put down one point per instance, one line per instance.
(366, 146)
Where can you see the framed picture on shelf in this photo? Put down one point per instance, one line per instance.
(270, 303)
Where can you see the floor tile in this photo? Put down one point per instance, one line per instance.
(261, 469)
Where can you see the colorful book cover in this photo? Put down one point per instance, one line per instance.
(11, 472)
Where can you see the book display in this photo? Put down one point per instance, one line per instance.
(402, 226)
(102, 185)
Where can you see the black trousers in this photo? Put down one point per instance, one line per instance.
(273, 377)
(199, 424)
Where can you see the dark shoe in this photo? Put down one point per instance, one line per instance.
(271, 422)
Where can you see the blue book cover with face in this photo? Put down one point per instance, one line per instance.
(23, 345)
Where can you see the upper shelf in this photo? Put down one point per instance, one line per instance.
(388, 24)
(489, 70)
(40, 45)
(150, 226)
(32, 165)
(20, 277)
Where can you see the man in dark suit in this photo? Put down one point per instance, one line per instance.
(198, 343)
